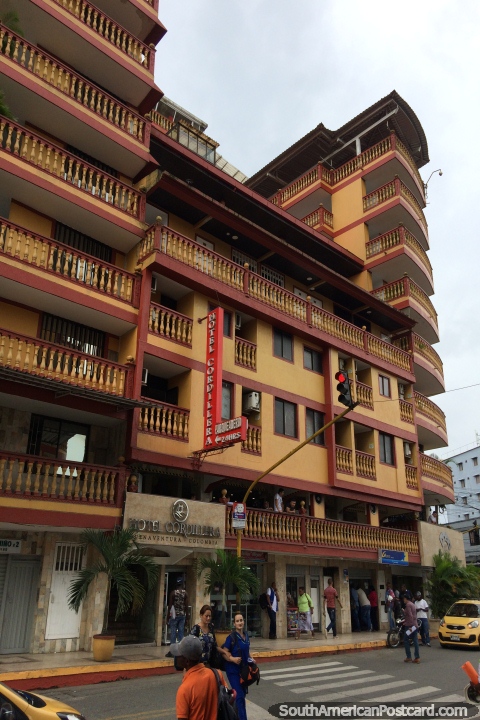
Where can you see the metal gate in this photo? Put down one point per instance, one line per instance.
(61, 621)
(17, 606)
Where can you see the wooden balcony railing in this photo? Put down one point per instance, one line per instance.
(365, 465)
(159, 238)
(411, 475)
(437, 470)
(111, 31)
(396, 238)
(245, 353)
(403, 288)
(406, 411)
(364, 395)
(78, 174)
(30, 476)
(61, 260)
(309, 178)
(253, 442)
(301, 530)
(160, 120)
(395, 188)
(61, 365)
(170, 324)
(69, 82)
(319, 219)
(416, 344)
(164, 419)
(425, 406)
(365, 158)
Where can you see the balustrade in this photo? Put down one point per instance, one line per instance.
(61, 259)
(395, 188)
(253, 441)
(163, 419)
(53, 72)
(37, 152)
(111, 31)
(437, 470)
(420, 346)
(344, 459)
(364, 395)
(428, 408)
(411, 476)
(60, 364)
(170, 324)
(31, 476)
(403, 288)
(160, 120)
(396, 238)
(365, 465)
(319, 218)
(245, 353)
(406, 411)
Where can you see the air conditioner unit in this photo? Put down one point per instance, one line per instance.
(144, 376)
(238, 321)
(154, 284)
(251, 402)
(407, 450)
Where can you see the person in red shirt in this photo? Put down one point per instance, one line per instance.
(331, 595)
(373, 597)
(197, 696)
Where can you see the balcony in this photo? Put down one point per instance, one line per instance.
(437, 481)
(397, 253)
(404, 293)
(303, 534)
(431, 423)
(245, 353)
(162, 419)
(320, 219)
(58, 367)
(364, 463)
(98, 47)
(171, 244)
(393, 196)
(253, 442)
(72, 107)
(139, 16)
(48, 260)
(364, 395)
(427, 363)
(44, 177)
(406, 411)
(170, 324)
(411, 476)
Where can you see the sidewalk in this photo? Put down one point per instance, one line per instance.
(42, 671)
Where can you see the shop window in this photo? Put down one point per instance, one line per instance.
(312, 360)
(282, 344)
(314, 421)
(57, 439)
(386, 449)
(285, 418)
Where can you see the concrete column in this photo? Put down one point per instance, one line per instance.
(160, 608)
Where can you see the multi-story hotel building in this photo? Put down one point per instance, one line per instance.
(120, 229)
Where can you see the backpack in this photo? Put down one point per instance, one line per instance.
(227, 708)
(263, 601)
(249, 672)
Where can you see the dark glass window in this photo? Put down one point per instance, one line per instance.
(386, 449)
(282, 344)
(312, 360)
(384, 385)
(57, 439)
(315, 420)
(227, 397)
(285, 418)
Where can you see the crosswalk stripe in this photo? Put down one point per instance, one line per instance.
(426, 690)
(333, 685)
(299, 668)
(316, 672)
(450, 698)
(360, 691)
(340, 676)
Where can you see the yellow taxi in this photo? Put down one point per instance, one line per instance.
(23, 705)
(461, 625)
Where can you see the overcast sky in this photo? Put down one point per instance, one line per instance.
(262, 73)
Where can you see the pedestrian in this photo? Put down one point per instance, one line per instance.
(272, 607)
(365, 617)
(411, 630)
(237, 647)
(197, 696)
(278, 500)
(421, 607)
(397, 606)
(266, 505)
(330, 597)
(373, 597)
(405, 593)
(305, 610)
(354, 608)
(205, 632)
(292, 507)
(177, 610)
(433, 518)
(389, 604)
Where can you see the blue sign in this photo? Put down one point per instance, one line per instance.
(392, 557)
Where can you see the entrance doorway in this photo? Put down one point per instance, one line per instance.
(171, 582)
(18, 591)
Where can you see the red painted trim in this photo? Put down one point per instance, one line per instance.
(150, 100)
(164, 353)
(27, 516)
(91, 678)
(407, 501)
(392, 254)
(437, 489)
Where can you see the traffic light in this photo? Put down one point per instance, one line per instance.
(343, 388)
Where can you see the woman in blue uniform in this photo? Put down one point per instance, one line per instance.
(237, 646)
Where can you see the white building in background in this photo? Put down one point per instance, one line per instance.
(464, 515)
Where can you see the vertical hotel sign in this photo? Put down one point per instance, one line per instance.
(217, 433)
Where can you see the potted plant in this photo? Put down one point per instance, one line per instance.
(118, 556)
(221, 571)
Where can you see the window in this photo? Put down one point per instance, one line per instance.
(272, 275)
(386, 449)
(312, 360)
(467, 516)
(227, 320)
(475, 461)
(384, 385)
(285, 418)
(282, 344)
(465, 501)
(72, 335)
(57, 439)
(477, 478)
(314, 421)
(462, 483)
(227, 396)
(460, 466)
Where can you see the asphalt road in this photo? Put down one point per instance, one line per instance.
(379, 675)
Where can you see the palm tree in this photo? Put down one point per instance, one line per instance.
(120, 558)
(449, 582)
(227, 569)
(11, 20)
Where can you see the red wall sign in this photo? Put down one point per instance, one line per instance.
(218, 433)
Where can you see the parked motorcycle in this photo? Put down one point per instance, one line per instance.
(396, 635)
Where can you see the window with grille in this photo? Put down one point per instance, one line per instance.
(68, 557)
(272, 275)
(72, 335)
(81, 242)
(241, 259)
(57, 439)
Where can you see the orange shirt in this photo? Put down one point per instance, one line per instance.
(197, 696)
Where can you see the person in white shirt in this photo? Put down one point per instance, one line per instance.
(422, 615)
(272, 607)
(365, 618)
(278, 500)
